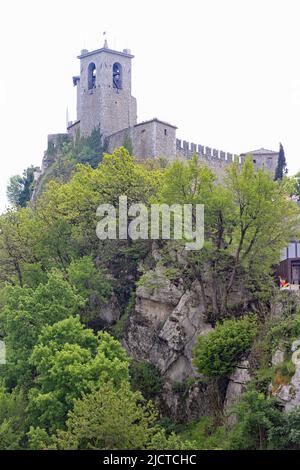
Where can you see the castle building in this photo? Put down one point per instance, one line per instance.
(105, 101)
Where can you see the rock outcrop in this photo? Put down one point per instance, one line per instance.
(164, 327)
(163, 330)
(110, 311)
(289, 394)
(236, 386)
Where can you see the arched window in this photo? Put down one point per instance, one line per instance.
(92, 76)
(117, 76)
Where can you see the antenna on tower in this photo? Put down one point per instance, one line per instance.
(67, 117)
(105, 40)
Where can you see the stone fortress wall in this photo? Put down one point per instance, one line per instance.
(216, 160)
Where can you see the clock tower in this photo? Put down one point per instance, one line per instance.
(104, 91)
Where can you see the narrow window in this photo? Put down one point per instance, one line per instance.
(165, 131)
(92, 76)
(117, 76)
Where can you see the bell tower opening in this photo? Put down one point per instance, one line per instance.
(117, 76)
(92, 75)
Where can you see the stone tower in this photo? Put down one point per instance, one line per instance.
(104, 92)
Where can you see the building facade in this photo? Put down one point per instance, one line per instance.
(289, 268)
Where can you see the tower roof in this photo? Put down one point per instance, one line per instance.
(156, 120)
(260, 151)
(86, 53)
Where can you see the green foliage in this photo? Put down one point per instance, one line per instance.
(286, 433)
(89, 150)
(87, 280)
(262, 425)
(206, 433)
(296, 190)
(127, 144)
(281, 168)
(109, 418)
(257, 416)
(152, 280)
(161, 441)
(283, 374)
(39, 439)
(218, 352)
(20, 188)
(283, 331)
(248, 221)
(146, 378)
(25, 313)
(69, 360)
(12, 416)
(69, 387)
(118, 329)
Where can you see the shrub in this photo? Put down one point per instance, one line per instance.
(118, 328)
(146, 378)
(286, 434)
(219, 352)
(283, 374)
(257, 416)
(284, 331)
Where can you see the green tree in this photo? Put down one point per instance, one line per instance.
(20, 188)
(248, 221)
(293, 185)
(146, 378)
(88, 280)
(26, 311)
(12, 419)
(109, 418)
(218, 352)
(256, 416)
(70, 359)
(281, 168)
(285, 434)
(160, 441)
(127, 144)
(89, 150)
(15, 245)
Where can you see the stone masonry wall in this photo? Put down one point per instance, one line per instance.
(149, 139)
(104, 105)
(216, 160)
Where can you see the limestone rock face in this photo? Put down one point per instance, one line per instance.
(285, 301)
(110, 311)
(237, 384)
(163, 330)
(278, 357)
(289, 394)
(164, 327)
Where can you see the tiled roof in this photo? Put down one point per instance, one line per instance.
(261, 151)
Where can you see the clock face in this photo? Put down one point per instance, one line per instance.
(117, 76)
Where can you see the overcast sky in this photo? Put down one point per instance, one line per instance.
(226, 72)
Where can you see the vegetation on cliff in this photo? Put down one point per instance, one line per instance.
(67, 382)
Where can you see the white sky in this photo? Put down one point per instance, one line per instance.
(226, 72)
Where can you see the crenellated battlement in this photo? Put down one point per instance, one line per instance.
(187, 149)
